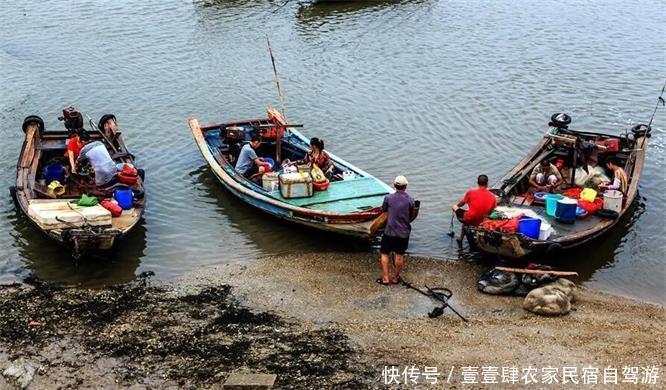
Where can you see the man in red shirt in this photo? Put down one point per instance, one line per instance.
(74, 146)
(480, 202)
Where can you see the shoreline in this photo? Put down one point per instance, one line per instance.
(314, 320)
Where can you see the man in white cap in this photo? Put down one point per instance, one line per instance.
(402, 209)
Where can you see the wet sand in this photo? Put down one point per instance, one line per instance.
(316, 320)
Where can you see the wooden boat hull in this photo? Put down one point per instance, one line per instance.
(359, 224)
(80, 240)
(515, 246)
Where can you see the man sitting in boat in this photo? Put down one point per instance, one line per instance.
(620, 182)
(249, 164)
(545, 177)
(96, 154)
(318, 156)
(480, 201)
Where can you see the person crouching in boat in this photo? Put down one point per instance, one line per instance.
(545, 177)
(96, 154)
(402, 210)
(74, 146)
(480, 203)
(620, 182)
(318, 156)
(249, 164)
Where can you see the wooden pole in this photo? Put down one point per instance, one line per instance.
(280, 129)
(537, 271)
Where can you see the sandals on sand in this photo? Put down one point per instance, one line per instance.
(390, 282)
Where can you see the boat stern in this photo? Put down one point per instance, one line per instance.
(87, 241)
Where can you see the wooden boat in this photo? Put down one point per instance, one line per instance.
(351, 206)
(84, 230)
(559, 143)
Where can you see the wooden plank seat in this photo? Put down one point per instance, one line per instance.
(53, 145)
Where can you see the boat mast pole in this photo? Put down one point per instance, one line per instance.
(659, 100)
(280, 132)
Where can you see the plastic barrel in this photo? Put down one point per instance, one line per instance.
(566, 210)
(124, 197)
(530, 227)
(270, 161)
(54, 172)
(551, 203)
(613, 200)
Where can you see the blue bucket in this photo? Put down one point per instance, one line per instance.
(270, 161)
(551, 203)
(566, 210)
(529, 227)
(124, 197)
(54, 172)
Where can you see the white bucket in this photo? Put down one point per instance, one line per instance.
(545, 231)
(613, 200)
(348, 175)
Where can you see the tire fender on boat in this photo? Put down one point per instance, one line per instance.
(560, 120)
(33, 119)
(641, 130)
(103, 119)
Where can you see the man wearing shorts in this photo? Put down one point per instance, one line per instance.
(480, 203)
(402, 210)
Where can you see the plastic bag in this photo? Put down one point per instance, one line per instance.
(317, 174)
(87, 201)
(588, 195)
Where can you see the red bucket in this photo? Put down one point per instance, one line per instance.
(322, 186)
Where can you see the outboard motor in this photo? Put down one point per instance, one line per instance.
(560, 120)
(72, 118)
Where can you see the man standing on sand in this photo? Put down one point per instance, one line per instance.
(402, 209)
(480, 203)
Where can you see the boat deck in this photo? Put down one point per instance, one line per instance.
(345, 196)
(561, 229)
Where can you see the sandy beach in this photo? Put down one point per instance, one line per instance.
(315, 320)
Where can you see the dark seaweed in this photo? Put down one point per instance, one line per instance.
(193, 340)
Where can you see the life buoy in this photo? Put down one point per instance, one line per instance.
(560, 120)
(641, 130)
(33, 119)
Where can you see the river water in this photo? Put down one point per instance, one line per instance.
(439, 91)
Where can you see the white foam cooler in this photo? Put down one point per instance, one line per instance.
(296, 185)
(46, 213)
(270, 181)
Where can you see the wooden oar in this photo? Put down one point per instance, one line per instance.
(379, 222)
(537, 271)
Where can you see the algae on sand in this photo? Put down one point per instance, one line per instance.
(152, 335)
